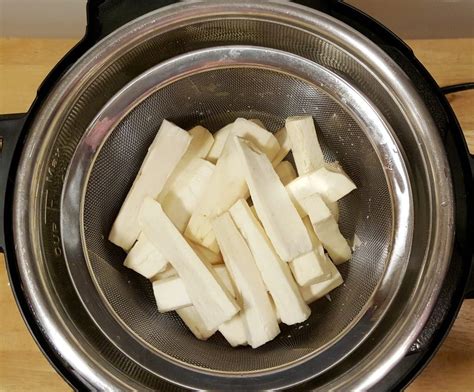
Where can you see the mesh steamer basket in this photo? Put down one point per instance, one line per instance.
(209, 63)
(213, 86)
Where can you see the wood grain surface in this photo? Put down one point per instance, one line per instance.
(23, 65)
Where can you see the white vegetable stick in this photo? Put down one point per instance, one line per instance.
(298, 189)
(333, 206)
(145, 259)
(170, 293)
(275, 273)
(315, 291)
(276, 310)
(199, 147)
(314, 238)
(259, 318)
(169, 146)
(326, 228)
(286, 172)
(312, 267)
(285, 146)
(227, 184)
(331, 185)
(304, 144)
(274, 208)
(249, 130)
(183, 195)
(220, 138)
(234, 331)
(201, 143)
(179, 203)
(212, 301)
(195, 323)
(309, 269)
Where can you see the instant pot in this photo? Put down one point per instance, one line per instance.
(67, 164)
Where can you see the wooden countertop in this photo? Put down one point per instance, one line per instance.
(23, 65)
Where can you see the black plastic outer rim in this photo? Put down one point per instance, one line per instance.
(100, 25)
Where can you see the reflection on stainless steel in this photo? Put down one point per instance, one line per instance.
(305, 53)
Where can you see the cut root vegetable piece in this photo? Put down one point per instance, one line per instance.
(315, 291)
(310, 268)
(304, 144)
(276, 310)
(221, 136)
(223, 274)
(234, 331)
(170, 293)
(286, 172)
(212, 301)
(285, 146)
(313, 267)
(194, 322)
(183, 195)
(168, 147)
(199, 147)
(145, 259)
(326, 228)
(330, 185)
(227, 184)
(272, 203)
(260, 320)
(275, 273)
(265, 141)
(312, 235)
(201, 143)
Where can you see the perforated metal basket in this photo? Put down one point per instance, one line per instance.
(209, 64)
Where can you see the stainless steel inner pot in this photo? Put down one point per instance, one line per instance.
(208, 63)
